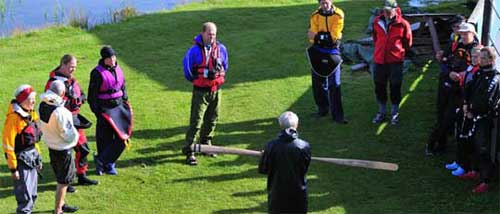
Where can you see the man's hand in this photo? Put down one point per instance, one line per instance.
(311, 35)
(439, 55)
(15, 176)
(454, 76)
(40, 167)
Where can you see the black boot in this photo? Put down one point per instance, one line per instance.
(69, 209)
(70, 189)
(83, 180)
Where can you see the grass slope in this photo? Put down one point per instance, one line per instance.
(268, 74)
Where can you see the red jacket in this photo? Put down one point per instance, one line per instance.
(391, 45)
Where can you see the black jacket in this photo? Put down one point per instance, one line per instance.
(285, 161)
(482, 94)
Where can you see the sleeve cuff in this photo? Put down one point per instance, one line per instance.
(13, 170)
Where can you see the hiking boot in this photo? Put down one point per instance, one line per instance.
(379, 118)
(395, 119)
(452, 166)
(482, 187)
(70, 189)
(186, 149)
(457, 172)
(191, 160)
(470, 175)
(85, 181)
(69, 209)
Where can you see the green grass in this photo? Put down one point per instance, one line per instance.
(268, 74)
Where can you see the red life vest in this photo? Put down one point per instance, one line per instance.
(73, 98)
(210, 73)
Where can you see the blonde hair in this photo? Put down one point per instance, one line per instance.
(490, 51)
(66, 59)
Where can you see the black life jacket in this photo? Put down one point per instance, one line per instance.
(30, 135)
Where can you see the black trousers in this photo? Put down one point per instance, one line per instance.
(482, 147)
(392, 74)
(448, 100)
(327, 94)
(109, 145)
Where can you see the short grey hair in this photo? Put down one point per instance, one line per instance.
(288, 119)
(208, 25)
(58, 87)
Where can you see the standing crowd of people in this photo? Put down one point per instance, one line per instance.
(468, 107)
(59, 124)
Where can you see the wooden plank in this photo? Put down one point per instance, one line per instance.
(429, 14)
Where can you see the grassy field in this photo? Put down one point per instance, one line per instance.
(268, 74)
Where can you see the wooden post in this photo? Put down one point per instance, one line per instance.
(486, 23)
(434, 35)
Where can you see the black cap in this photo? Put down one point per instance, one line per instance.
(456, 19)
(107, 52)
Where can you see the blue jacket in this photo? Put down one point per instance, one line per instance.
(194, 57)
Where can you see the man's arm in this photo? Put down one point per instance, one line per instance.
(93, 91)
(188, 62)
(124, 90)
(264, 161)
(225, 57)
(313, 29)
(408, 37)
(8, 140)
(65, 125)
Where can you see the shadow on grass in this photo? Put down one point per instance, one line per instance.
(250, 173)
(157, 47)
(47, 183)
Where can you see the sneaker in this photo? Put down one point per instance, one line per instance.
(452, 166)
(110, 169)
(395, 119)
(70, 189)
(470, 175)
(379, 118)
(69, 209)
(457, 172)
(482, 187)
(98, 165)
(191, 160)
(84, 180)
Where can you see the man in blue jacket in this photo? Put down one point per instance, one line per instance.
(205, 65)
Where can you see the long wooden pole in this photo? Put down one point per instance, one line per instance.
(197, 148)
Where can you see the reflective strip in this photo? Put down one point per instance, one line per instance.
(8, 147)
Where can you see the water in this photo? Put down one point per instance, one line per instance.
(425, 3)
(25, 15)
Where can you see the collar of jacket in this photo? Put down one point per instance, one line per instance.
(288, 135)
(18, 109)
(52, 98)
